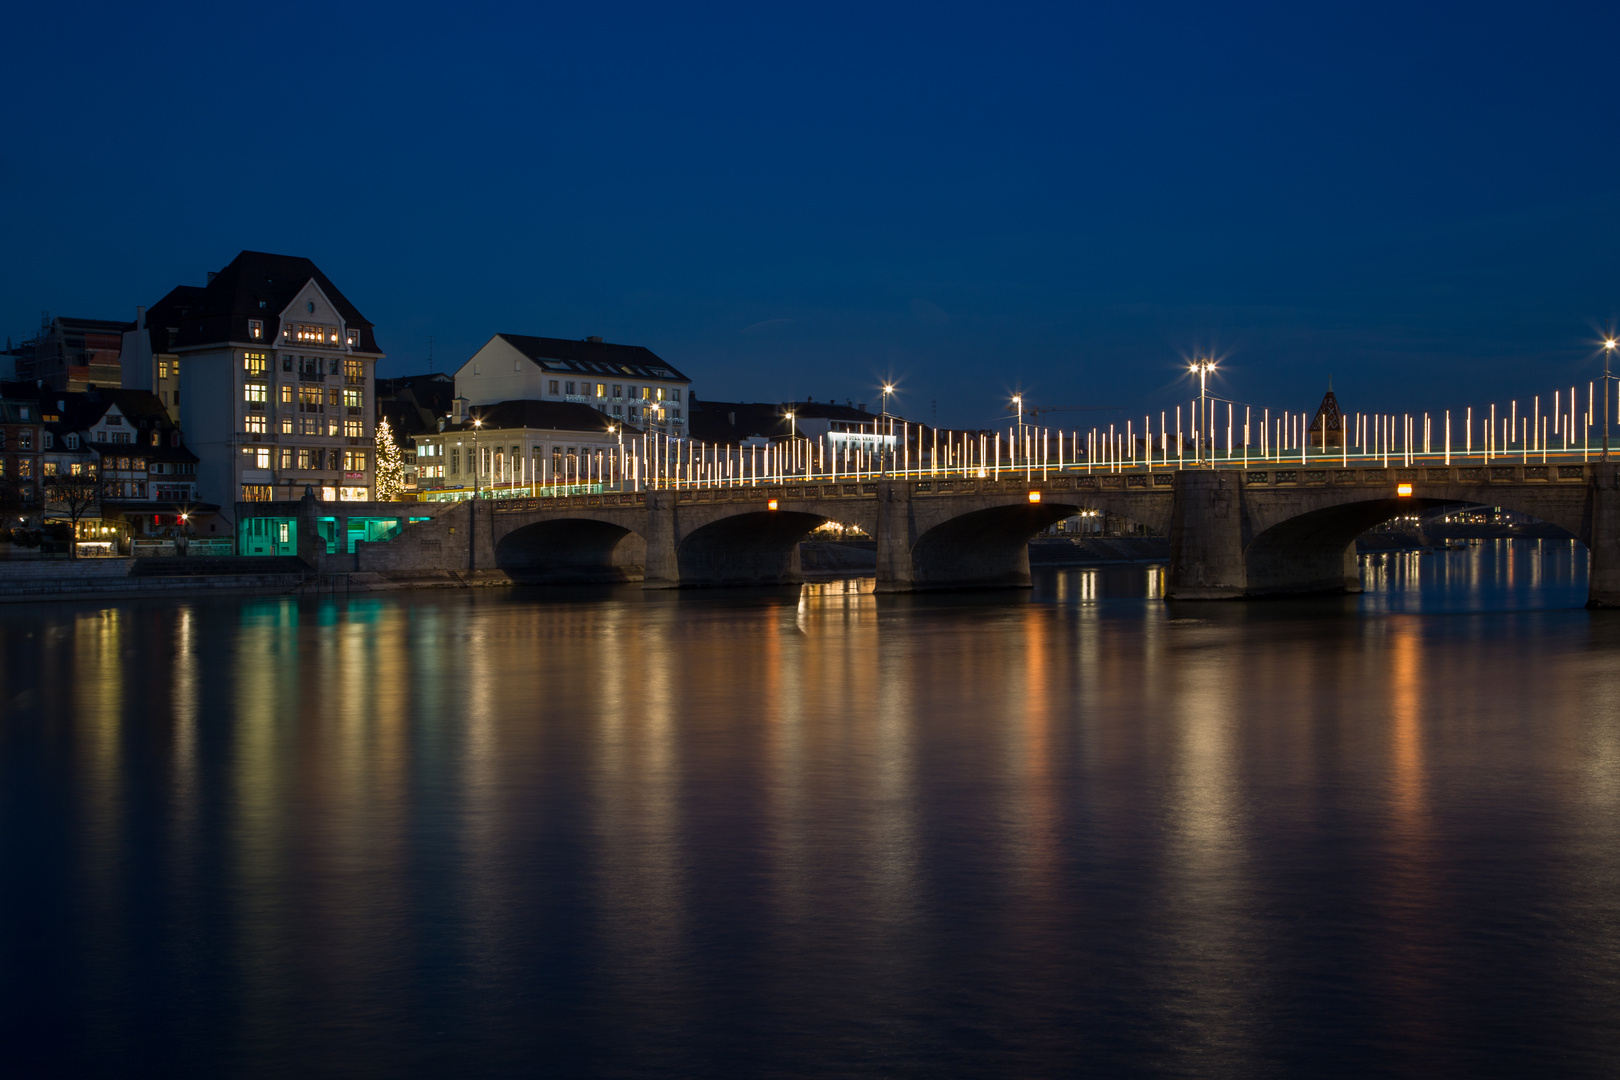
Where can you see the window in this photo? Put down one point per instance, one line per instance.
(311, 399)
(286, 458)
(49, 440)
(157, 438)
(253, 424)
(138, 464)
(315, 335)
(354, 461)
(49, 467)
(254, 364)
(304, 453)
(256, 329)
(25, 468)
(286, 393)
(328, 494)
(676, 413)
(286, 425)
(660, 393)
(310, 367)
(354, 371)
(455, 462)
(553, 386)
(570, 388)
(163, 369)
(618, 410)
(334, 397)
(477, 370)
(332, 426)
(121, 437)
(286, 362)
(601, 390)
(256, 492)
(676, 394)
(352, 400)
(332, 459)
(352, 337)
(311, 425)
(352, 428)
(255, 394)
(618, 390)
(354, 494)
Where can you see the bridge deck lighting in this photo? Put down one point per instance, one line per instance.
(771, 505)
(1403, 490)
(1034, 496)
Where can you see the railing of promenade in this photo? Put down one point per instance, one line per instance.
(1248, 439)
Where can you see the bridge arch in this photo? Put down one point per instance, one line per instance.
(571, 550)
(987, 547)
(758, 547)
(1315, 550)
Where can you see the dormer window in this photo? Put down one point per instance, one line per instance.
(256, 329)
(353, 337)
(49, 440)
(72, 442)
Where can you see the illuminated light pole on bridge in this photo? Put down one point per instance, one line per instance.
(1608, 351)
(1203, 369)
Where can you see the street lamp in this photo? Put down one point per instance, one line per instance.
(1203, 368)
(478, 462)
(1608, 351)
(1018, 402)
(883, 447)
(793, 438)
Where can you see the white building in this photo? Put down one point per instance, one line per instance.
(512, 448)
(270, 371)
(628, 384)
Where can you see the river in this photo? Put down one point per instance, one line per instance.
(1067, 831)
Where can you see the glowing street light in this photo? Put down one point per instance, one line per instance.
(478, 462)
(1203, 369)
(1608, 351)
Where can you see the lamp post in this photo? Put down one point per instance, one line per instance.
(478, 462)
(1202, 369)
(883, 447)
(793, 438)
(1018, 403)
(1608, 351)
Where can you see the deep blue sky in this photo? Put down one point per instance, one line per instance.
(783, 201)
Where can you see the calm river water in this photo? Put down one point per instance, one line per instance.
(609, 833)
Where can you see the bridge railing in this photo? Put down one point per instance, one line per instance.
(1252, 439)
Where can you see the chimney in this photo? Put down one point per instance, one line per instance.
(458, 410)
(140, 318)
(594, 340)
(861, 406)
(212, 274)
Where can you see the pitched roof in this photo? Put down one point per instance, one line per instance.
(593, 357)
(730, 422)
(256, 285)
(542, 415)
(112, 326)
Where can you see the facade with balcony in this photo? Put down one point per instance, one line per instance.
(271, 372)
(628, 384)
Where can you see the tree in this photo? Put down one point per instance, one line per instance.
(74, 494)
(390, 464)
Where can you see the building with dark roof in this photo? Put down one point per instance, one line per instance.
(630, 384)
(270, 370)
(834, 426)
(72, 354)
(513, 447)
(146, 476)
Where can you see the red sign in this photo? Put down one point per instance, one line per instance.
(354, 476)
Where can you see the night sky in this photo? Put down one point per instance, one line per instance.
(1419, 201)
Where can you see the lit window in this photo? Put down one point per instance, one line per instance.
(601, 390)
(286, 457)
(329, 494)
(354, 371)
(351, 428)
(256, 329)
(355, 494)
(351, 399)
(256, 393)
(254, 425)
(254, 364)
(286, 425)
(257, 492)
(353, 337)
(286, 393)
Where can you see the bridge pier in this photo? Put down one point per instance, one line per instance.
(895, 525)
(663, 566)
(1603, 543)
(1206, 538)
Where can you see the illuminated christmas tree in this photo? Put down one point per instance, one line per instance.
(390, 464)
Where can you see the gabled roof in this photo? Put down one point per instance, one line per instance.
(594, 357)
(254, 285)
(541, 415)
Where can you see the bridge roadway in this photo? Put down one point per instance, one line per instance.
(1233, 532)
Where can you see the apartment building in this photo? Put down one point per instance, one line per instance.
(629, 384)
(270, 371)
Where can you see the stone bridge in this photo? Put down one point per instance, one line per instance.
(1233, 532)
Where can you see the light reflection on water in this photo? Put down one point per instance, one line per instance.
(776, 833)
